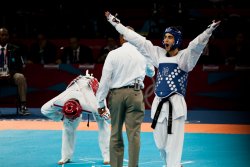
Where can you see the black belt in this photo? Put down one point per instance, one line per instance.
(158, 111)
(124, 87)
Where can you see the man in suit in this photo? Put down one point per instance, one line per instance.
(42, 51)
(76, 53)
(11, 63)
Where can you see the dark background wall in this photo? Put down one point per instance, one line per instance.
(59, 18)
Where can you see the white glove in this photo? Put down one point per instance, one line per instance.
(213, 26)
(150, 70)
(112, 19)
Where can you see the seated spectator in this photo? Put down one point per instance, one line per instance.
(23, 47)
(11, 63)
(76, 53)
(111, 45)
(238, 51)
(211, 54)
(42, 51)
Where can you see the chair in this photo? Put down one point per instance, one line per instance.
(7, 90)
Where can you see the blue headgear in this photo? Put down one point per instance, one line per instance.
(177, 36)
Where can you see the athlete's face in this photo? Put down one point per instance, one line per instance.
(168, 41)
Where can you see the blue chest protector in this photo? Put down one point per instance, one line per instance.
(170, 79)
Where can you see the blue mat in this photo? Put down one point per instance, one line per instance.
(36, 148)
(194, 116)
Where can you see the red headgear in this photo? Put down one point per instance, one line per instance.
(72, 109)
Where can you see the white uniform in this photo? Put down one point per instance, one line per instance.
(170, 146)
(81, 91)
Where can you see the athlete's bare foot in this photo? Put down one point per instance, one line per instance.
(106, 163)
(61, 162)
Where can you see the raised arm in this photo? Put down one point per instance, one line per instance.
(147, 49)
(193, 52)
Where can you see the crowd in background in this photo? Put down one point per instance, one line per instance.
(61, 19)
(43, 22)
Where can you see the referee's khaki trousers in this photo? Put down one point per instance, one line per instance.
(126, 105)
